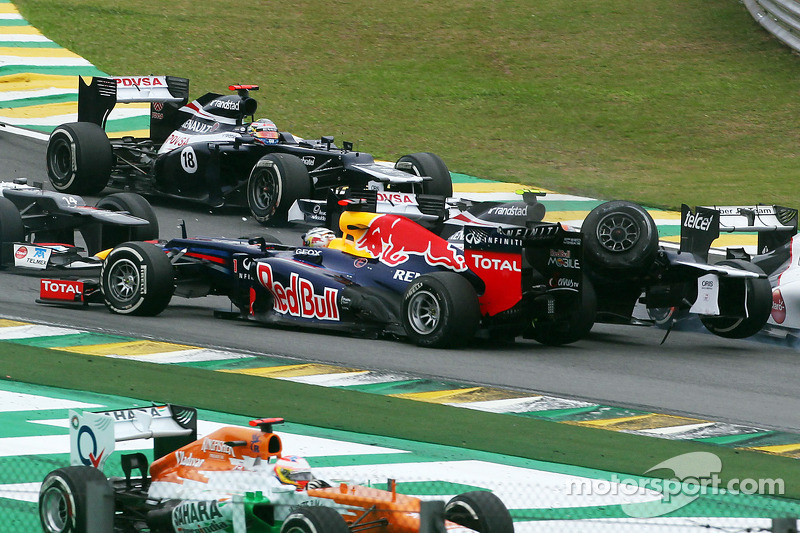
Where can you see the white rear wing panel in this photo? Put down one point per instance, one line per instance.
(93, 434)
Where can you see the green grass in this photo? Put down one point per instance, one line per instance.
(661, 102)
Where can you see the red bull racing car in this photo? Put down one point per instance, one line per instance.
(624, 264)
(213, 151)
(383, 273)
(233, 480)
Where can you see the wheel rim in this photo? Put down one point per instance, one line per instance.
(424, 312)
(124, 280)
(55, 510)
(61, 162)
(266, 191)
(617, 232)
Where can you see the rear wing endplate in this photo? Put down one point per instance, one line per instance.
(93, 435)
(166, 95)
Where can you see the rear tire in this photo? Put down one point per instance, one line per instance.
(440, 310)
(79, 158)
(275, 182)
(65, 505)
(11, 230)
(428, 164)
(137, 278)
(480, 511)
(759, 306)
(574, 327)
(620, 236)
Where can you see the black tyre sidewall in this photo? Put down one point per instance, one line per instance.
(429, 164)
(292, 178)
(72, 482)
(315, 519)
(158, 274)
(11, 230)
(136, 205)
(88, 146)
(458, 303)
(575, 326)
(759, 306)
(633, 260)
(492, 514)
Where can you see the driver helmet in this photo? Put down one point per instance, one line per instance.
(264, 131)
(293, 470)
(318, 237)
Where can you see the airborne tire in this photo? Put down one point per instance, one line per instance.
(137, 279)
(480, 511)
(440, 310)
(76, 499)
(275, 182)
(620, 236)
(428, 164)
(759, 306)
(79, 158)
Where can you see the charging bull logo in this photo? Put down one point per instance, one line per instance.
(394, 239)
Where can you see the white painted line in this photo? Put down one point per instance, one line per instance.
(34, 331)
(19, 401)
(524, 405)
(185, 356)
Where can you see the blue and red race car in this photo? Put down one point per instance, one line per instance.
(383, 273)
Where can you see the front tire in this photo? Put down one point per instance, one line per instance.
(11, 230)
(65, 505)
(480, 511)
(429, 164)
(759, 306)
(620, 236)
(440, 310)
(79, 158)
(275, 182)
(315, 519)
(137, 278)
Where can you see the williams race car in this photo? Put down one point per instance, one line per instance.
(234, 480)
(38, 228)
(624, 263)
(208, 151)
(383, 273)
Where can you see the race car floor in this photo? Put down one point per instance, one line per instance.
(495, 400)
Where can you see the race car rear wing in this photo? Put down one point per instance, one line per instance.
(775, 225)
(166, 95)
(93, 435)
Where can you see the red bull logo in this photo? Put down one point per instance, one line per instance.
(299, 299)
(394, 239)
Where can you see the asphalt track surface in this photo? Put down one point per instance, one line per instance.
(692, 373)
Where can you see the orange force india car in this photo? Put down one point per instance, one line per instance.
(226, 481)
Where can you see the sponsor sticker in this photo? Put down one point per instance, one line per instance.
(28, 256)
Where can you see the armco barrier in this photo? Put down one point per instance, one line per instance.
(779, 17)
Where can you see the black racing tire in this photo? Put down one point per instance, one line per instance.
(135, 205)
(68, 505)
(620, 236)
(122, 275)
(759, 306)
(440, 310)
(429, 164)
(575, 326)
(275, 182)
(480, 511)
(79, 158)
(11, 230)
(314, 519)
